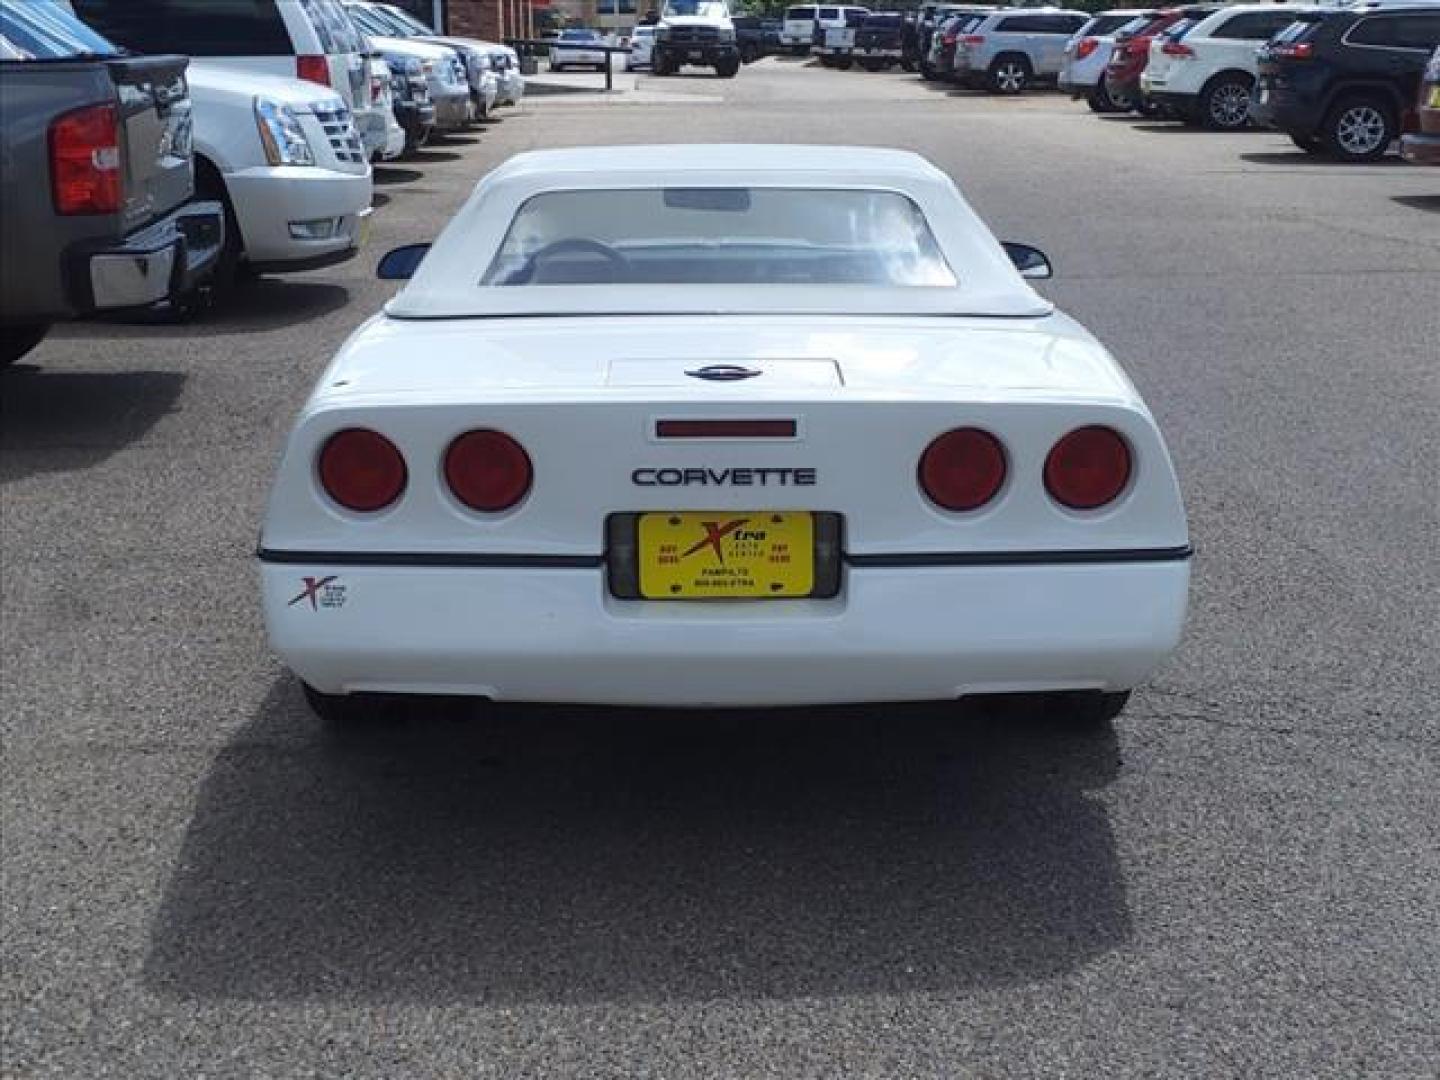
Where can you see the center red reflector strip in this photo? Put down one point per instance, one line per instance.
(725, 429)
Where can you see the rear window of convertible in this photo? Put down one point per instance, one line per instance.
(720, 236)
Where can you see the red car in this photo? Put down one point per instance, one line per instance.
(1132, 52)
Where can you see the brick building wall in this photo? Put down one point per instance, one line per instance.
(490, 20)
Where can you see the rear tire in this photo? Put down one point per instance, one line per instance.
(1100, 101)
(873, 64)
(1360, 127)
(229, 267)
(1224, 104)
(1309, 143)
(844, 63)
(17, 340)
(1009, 74)
(749, 53)
(727, 68)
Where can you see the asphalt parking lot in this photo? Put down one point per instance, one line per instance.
(1241, 879)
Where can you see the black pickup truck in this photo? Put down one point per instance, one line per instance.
(884, 39)
(756, 37)
(96, 197)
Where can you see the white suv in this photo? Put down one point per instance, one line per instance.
(1203, 69)
(283, 154)
(284, 158)
(312, 40)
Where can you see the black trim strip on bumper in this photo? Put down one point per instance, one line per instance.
(427, 558)
(1025, 558)
(587, 562)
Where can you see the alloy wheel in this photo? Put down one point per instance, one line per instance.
(1010, 77)
(1230, 105)
(1361, 130)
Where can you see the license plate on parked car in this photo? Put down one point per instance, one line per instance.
(696, 54)
(726, 555)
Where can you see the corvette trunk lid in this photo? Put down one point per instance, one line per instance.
(847, 408)
(859, 358)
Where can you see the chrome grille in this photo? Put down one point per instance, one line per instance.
(340, 131)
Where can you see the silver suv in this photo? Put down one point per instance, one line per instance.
(1005, 51)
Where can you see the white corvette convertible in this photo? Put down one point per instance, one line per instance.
(723, 425)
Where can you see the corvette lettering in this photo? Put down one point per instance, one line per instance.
(766, 477)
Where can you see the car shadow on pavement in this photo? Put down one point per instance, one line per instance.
(565, 855)
(433, 157)
(59, 421)
(1300, 157)
(266, 303)
(385, 175)
(1419, 202)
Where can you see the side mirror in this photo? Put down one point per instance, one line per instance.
(401, 263)
(1030, 261)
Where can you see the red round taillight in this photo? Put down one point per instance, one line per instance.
(962, 469)
(487, 470)
(361, 469)
(1087, 468)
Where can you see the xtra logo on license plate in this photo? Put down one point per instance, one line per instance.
(726, 555)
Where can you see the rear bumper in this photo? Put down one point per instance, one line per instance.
(1294, 119)
(414, 119)
(894, 633)
(512, 88)
(453, 108)
(167, 257)
(1182, 103)
(270, 201)
(1128, 88)
(1422, 149)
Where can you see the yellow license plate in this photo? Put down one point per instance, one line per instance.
(726, 555)
(1435, 97)
(362, 234)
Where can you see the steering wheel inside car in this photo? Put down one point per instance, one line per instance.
(619, 265)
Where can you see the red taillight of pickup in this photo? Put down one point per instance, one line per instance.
(85, 174)
(315, 69)
(1086, 47)
(972, 39)
(1177, 49)
(1302, 50)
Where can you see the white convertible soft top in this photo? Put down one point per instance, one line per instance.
(448, 282)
